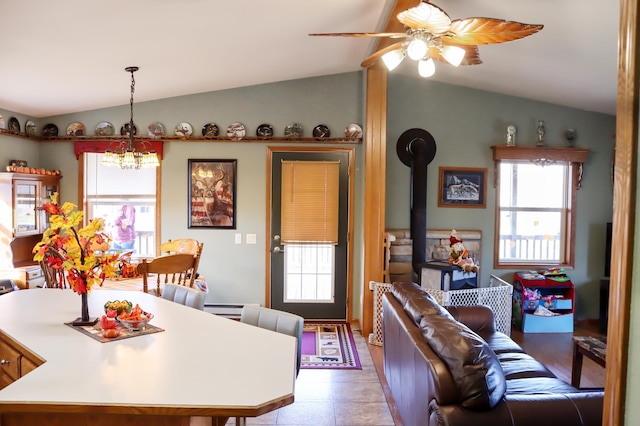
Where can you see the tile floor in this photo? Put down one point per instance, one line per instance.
(334, 397)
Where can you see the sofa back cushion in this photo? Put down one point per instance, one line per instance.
(416, 302)
(474, 366)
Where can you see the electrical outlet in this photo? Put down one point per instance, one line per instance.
(251, 238)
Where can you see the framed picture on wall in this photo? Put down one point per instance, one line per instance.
(462, 187)
(212, 194)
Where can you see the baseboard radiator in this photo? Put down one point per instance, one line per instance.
(229, 310)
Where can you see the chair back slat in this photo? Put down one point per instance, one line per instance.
(185, 245)
(173, 268)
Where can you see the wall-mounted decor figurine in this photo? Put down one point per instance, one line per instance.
(571, 135)
(540, 131)
(510, 136)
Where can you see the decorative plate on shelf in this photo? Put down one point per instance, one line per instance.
(124, 130)
(321, 132)
(293, 130)
(210, 130)
(1, 123)
(104, 128)
(155, 130)
(14, 125)
(236, 131)
(353, 131)
(264, 131)
(183, 130)
(50, 131)
(30, 128)
(75, 129)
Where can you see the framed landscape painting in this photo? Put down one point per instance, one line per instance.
(462, 187)
(212, 194)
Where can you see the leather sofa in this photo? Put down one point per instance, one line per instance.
(451, 367)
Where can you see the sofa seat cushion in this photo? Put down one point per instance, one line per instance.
(517, 365)
(416, 302)
(538, 385)
(501, 343)
(475, 368)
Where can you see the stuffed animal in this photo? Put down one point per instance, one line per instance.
(459, 256)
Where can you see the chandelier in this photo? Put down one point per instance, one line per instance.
(131, 154)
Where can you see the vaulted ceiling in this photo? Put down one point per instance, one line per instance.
(70, 55)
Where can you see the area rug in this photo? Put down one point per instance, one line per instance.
(329, 345)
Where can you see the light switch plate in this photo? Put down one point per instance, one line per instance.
(238, 238)
(251, 238)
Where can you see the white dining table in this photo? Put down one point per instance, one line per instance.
(200, 365)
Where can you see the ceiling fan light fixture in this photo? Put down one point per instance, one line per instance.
(393, 59)
(417, 49)
(453, 54)
(426, 67)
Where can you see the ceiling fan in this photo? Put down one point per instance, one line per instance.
(431, 35)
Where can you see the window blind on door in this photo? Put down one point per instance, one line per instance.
(309, 206)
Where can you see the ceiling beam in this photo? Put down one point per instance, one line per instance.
(392, 24)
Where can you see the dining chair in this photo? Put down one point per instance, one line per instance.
(53, 278)
(184, 295)
(170, 269)
(278, 321)
(185, 245)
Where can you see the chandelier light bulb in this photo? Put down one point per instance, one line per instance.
(426, 68)
(453, 54)
(393, 59)
(417, 49)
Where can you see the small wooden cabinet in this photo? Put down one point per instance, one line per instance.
(23, 222)
(26, 193)
(15, 360)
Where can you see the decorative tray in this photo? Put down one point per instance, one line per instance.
(95, 331)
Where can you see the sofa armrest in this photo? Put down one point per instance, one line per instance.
(579, 409)
(479, 318)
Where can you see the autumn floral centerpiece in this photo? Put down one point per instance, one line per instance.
(66, 246)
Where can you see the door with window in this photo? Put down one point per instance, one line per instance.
(309, 227)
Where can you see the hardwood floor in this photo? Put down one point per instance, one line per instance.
(555, 350)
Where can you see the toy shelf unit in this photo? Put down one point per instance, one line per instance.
(543, 302)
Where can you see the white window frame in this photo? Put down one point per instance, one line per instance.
(147, 245)
(573, 159)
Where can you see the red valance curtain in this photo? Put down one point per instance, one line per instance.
(80, 147)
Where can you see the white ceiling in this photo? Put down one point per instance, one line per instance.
(68, 56)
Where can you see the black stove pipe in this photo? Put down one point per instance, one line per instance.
(416, 149)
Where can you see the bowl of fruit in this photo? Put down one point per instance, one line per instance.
(135, 320)
(119, 306)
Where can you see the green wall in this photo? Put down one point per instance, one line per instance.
(464, 122)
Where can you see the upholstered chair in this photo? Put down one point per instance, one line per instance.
(184, 295)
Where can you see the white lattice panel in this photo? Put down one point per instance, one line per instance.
(497, 296)
(379, 289)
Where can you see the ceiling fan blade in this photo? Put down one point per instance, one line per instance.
(391, 35)
(426, 16)
(474, 31)
(377, 55)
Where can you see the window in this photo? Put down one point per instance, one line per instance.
(127, 201)
(535, 206)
